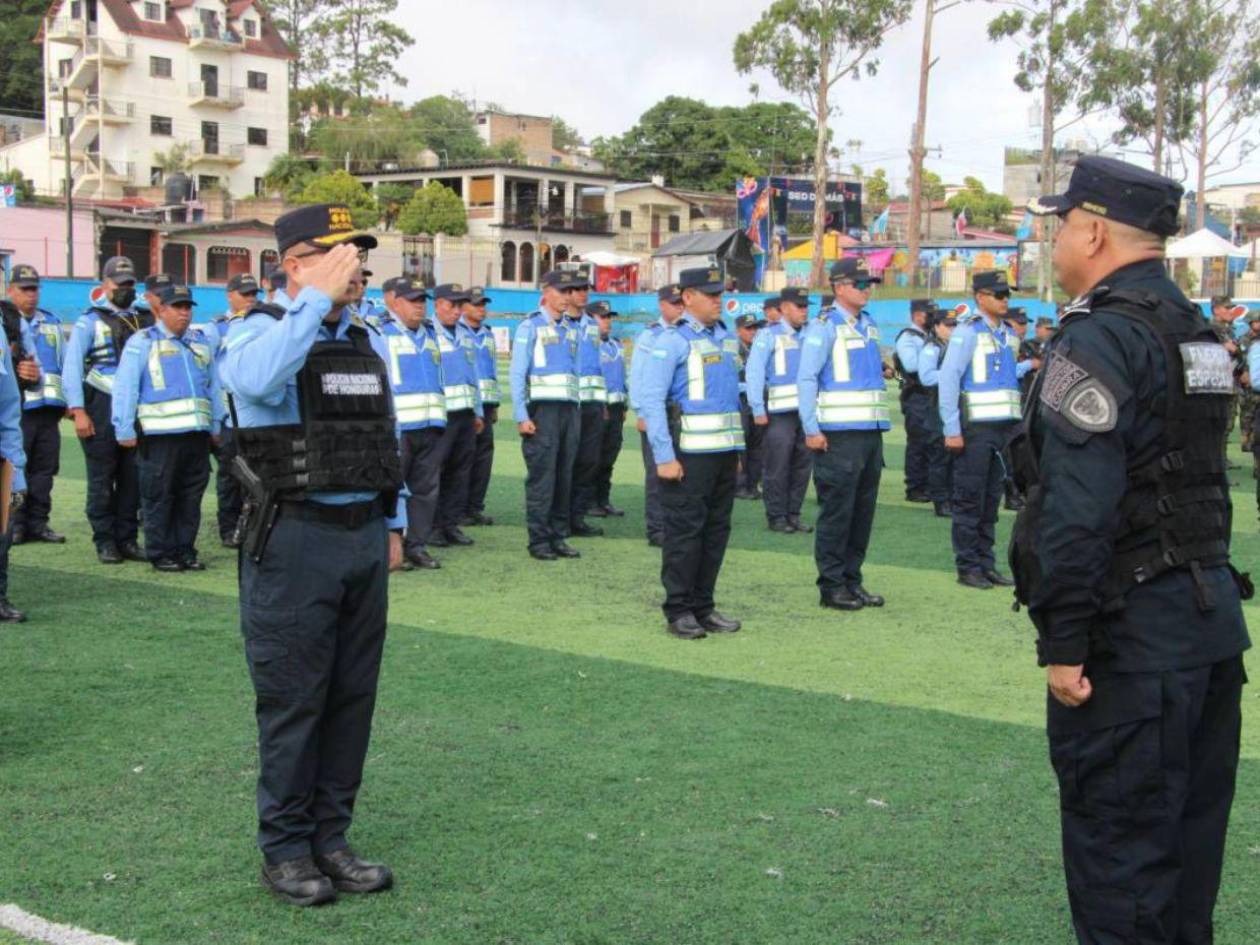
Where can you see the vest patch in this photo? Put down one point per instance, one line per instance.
(1060, 377)
(1208, 368)
(1090, 406)
(351, 385)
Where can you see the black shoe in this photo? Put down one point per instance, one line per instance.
(745, 494)
(132, 551)
(476, 518)
(9, 613)
(713, 622)
(1014, 504)
(944, 510)
(543, 554)
(685, 627)
(191, 563)
(974, 579)
(656, 541)
(47, 535)
(422, 560)
(799, 526)
(613, 512)
(406, 567)
(230, 541)
(597, 511)
(562, 550)
(918, 496)
(18, 537)
(439, 540)
(457, 537)
(780, 525)
(997, 578)
(168, 565)
(298, 882)
(583, 530)
(353, 875)
(109, 554)
(868, 599)
(841, 599)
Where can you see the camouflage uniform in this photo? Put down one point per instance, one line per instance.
(1225, 333)
(1248, 400)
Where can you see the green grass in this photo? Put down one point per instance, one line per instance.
(548, 767)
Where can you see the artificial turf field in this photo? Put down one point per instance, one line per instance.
(548, 766)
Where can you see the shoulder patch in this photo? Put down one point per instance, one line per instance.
(1061, 374)
(1208, 368)
(1078, 397)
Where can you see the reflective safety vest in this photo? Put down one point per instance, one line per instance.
(851, 387)
(459, 367)
(990, 389)
(590, 376)
(710, 421)
(487, 366)
(415, 375)
(612, 361)
(781, 392)
(110, 333)
(553, 366)
(49, 342)
(175, 385)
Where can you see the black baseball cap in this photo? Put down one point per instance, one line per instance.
(25, 277)
(855, 268)
(451, 291)
(120, 270)
(176, 295)
(796, 295)
(278, 278)
(477, 296)
(704, 280)
(243, 282)
(990, 280)
(566, 279)
(1045, 321)
(669, 293)
(1118, 191)
(324, 224)
(750, 321)
(414, 290)
(159, 281)
(1017, 315)
(772, 302)
(922, 305)
(600, 310)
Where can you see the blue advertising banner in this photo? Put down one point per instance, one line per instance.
(753, 194)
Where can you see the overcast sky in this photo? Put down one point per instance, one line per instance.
(599, 65)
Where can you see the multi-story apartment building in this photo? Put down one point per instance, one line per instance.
(131, 79)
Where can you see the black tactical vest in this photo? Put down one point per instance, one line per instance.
(345, 439)
(121, 325)
(1176, 511)
(910, 383)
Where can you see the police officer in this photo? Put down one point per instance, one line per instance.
(771, 311)
(772, 399)
(752, 460)
(308, 388)
(1122, 557)
(669, 303)
(1248, 401)
(43, 406)
(1224, 316)
(464, 413)
(844, 413)
(543, 378)
(415, 374)
(941, 325)
(11, 450)
(612, 361)
(979, 406)
(277, 282)
(151, 299)
(592, 400)
(474, 318)
(166, 385)
(914, 399)
(1027, 360)
(113, 490)
(363, 306)
(690, 403)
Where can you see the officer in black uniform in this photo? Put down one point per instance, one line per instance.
(753, 462)
(915, 399)
(1029, 352)
(318, 457)
(1122, 557)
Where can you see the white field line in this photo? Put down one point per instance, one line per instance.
(41, 930)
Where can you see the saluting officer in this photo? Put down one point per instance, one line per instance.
(612, 361)
(669, 302)
(464, 413)
(752, 460)
(165, 383)
(914, 399)
(690, 403)
(770, 376)
(473, 318)
(844, 413)
(1122, 558)
(544, 384)
(43, 406)
(941, 325)
(415, 374)
(98, 337)
(310, 387)
(979, 406)
(592, 401)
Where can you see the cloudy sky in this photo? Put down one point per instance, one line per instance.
(600, 64)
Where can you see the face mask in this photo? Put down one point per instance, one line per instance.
(123, 296)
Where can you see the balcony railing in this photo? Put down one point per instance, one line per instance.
(110, 50)
(580, 221)
(214, 93)
(216, 151)
(115, 110)
(105, 167)
(66, 29)
(210, 36)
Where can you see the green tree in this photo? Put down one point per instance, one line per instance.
(809, 46)
(390, 200)
(508, 150)
(288, 174)
(933, 187)
(25, 189)
(172, 160)
(434, 209)
(340, 187)
(875, 192)
(564, 137)
(22, 65)
(297, 21)
(445, 124)
(983, 207)
(379, 134)
(364, 44)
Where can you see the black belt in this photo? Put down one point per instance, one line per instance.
(347, 516)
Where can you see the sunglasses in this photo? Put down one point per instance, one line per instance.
(325, 250)
(862, 285)
(1001, 294)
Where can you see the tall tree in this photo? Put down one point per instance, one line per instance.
(366, 141)
(340, 187)
(434, 209)
(446, 126)
(809, 46)
(564, 137)
(983, 207)
(364, 44)
(296, 20)
(22, 65)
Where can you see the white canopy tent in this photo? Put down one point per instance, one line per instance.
(1204, 245)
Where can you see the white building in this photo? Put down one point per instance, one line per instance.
(142, 76)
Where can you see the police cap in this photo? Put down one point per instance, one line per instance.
(669, 293)
(25, 277)
(922, 305)
(278, 278)
(324, 224)
(477, 296)
(413, 290)
(707, 280)
(750, 321)
(243, 282)
(600, 310)
(990, 280)
(770, 303)
(1018, 315)
(451, 291)
(1045, 321)
(796, 295)
(1118, 191)
(159, 281)
(855, 268)
(119, 270)
(566, 279)
(174, 294)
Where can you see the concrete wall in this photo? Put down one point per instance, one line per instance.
(37, 237)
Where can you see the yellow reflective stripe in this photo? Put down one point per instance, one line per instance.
(710, 432)
(848, 339)
(540, 347)
(50, 389)
(413, 408)
(459, 397)
(852, 406)
(489, 388)
(991, 405)
(399, 345)
(616, 397)
(173, 414)
(782, 397)
(157, 377)
(592, 389)
(985, 346)
(780, 354)
(102, 382)
(695, 373)
(553, 387)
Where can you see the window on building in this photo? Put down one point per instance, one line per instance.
(76, 10)
(527, 262)
(627, 219)
(64, 66)
(260, 190)
(251, 28)
(153, 11)
(544, 259)
(257, 80)
(481, 192)
(180, 260)
(206, 182)
(562, 254)
(507, 267)
(258, 136)
(156, 176)
(159, 67)
(675, 223)
(159, 125)
(223, 262)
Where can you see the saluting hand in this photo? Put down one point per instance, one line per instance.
(670, 472)
(1069, 685)
(526, 428)
(332, 273)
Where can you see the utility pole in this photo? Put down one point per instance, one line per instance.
(65, 137)
(917, 151)
(1045, 287)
